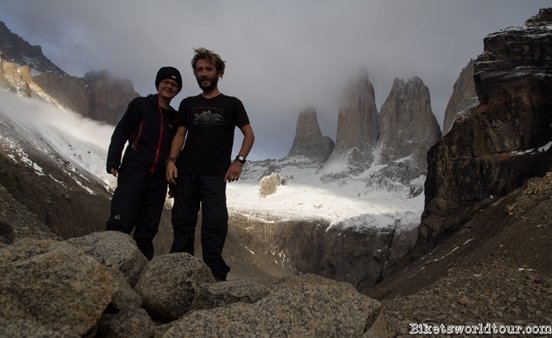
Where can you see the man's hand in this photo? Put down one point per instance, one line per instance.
(233, 172)
(171, 173)
(114, 171)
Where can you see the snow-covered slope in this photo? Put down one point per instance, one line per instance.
(304, 193)
(31, 129)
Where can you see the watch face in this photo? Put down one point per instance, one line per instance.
(241, 158)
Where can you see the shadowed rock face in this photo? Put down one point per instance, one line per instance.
(464, 98)
(309, 141)
(361, 256)
(504, 141)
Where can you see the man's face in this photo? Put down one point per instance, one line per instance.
(206, 75)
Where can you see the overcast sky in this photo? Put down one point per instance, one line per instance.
(281, 55)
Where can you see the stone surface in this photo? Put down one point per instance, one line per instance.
(115, 250)
(463, 99)
(408, 127)
(496, 269)
(357, 124)
(26, 328)
(168, 296)
(299, 306)
(361, 256)
(214, 295)
(130, 322)
(108, 96)
(309, 141)
(54, 284)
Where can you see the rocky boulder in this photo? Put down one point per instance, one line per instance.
(54, 284)
(169, 296)
(115, 250)
(505, 141)
(269, 184)
(306, 306)
(52, 288)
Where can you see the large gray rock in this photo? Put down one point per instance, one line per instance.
(114, 249)
(54, 284)
(130, 322)
(23, 328)
(309, 141)
(297, 306)
(220, 294)
(169, 282)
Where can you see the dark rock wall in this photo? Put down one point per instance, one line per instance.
(501, 144)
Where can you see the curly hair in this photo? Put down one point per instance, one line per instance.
(204, 53)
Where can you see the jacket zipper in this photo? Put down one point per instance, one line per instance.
(137, 138)
(156, 159)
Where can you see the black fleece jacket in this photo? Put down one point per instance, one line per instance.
(148, 129)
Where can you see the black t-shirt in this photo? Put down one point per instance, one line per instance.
(210, 124)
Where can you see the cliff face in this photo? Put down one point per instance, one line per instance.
(407, 124)
(357, 123)
(24, 69)
(463, 99)
(309, 141)
(504, 141)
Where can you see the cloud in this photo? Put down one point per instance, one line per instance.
(281, 55)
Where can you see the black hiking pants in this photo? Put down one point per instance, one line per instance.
(193, 190)
(137, 205)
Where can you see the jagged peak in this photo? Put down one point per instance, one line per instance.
(17, 50)
(543, 17)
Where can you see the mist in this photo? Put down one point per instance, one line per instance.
(282, 56)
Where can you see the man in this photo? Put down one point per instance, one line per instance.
(148, 126)
(200, 170)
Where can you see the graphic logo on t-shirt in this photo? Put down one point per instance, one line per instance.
(208, 116)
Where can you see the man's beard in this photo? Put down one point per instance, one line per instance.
(211, 86)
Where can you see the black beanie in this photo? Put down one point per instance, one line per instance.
(168, 73)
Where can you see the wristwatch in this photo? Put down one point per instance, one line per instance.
(241, 159)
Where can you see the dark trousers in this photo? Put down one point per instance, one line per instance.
(137, 205)
(209, 191)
